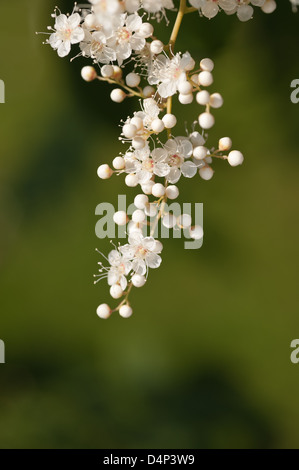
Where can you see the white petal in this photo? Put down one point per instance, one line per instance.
(167, 88)
(128, 251)
(74, 20)
(134, 22)
(149, 243)
(135, 239)
(114, 258)
(139, 266)
(144, 176)
(161, 169)
(171, 146)
(174, 175)
(123, 282)
(153, 260)
(77, 35)
(137, 43)
(189, 169)
(64, 49)
(61, 23)
(159, 155)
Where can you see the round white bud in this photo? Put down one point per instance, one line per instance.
(138, 216)
(235, 158)
(225, 144)
(146, 30)
(125, 311)
(206, 173)
(169, 220)
(258, 3)
(129, 131)
(138, 280)
(245, 12)
(138, 143)
(172, 192)
(269, 6)
(206, 120)
(140, 201)
(90, 21)
(216, 100)
(120, 218)
(116, 291)
(185, 88)
(205, 78)
(88, 73)
(119, 163)
(131, 180)
(151, 210)
(207, 65)
(107, 71)
(148, 91)
(200, 152)
(196, 139)
(133, 80)
(157, 46)
(184, 221)
(104, 311)
(138, 122)
(169, 121)
(158, 125)
(158, 190)
(185, 99)
(147, 187)
(104, 172)
(117, 72)
(196, 232)
(117, 95)
(203, 97)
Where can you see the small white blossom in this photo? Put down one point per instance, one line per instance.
(94, 45)
(125, 38)
(145, 165)
(120, 268)
(141, 252)
(173, 155)
(67, 32)
(168, 73)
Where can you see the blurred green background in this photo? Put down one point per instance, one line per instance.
(205, 360)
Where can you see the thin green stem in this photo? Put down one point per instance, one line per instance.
(115, 82)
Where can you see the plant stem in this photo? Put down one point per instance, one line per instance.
(115, 82)
(177, 24)
(183, 9)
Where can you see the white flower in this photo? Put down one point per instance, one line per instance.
(125, 38)
(142, 252)
(169, 73)
(120, 268)
(243, 8)
(94, 45)
(107, 13)
(150, 112)
(173, 155)
(154, 6)
(145, 165)
(67, 31)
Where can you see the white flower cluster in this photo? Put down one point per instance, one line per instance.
(113, 34)
(243, 8)
(156, 167)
